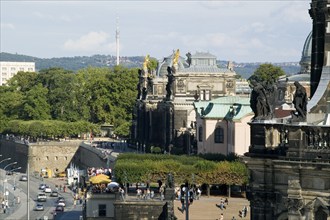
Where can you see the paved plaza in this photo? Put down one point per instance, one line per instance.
(205, 209)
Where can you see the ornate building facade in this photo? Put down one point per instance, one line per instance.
(164, 114)
(289, 159)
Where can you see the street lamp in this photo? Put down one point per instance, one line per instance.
(5, 179)
(9, 165)
(9, 158)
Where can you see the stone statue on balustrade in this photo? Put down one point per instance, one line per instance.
(140, 84)
(169, 85)
(300, 103)
(259, 101)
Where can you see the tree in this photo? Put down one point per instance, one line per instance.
(267, 73)
(35, 106)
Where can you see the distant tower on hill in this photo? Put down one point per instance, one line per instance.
(117, 41)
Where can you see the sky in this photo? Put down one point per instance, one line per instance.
(239, 31)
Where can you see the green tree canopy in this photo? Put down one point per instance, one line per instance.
(35, 105)
(97, 95)
(267, 73)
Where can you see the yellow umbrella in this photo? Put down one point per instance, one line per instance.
(100, 181)
(101, 178)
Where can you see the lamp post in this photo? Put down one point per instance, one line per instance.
(17, 168)
(5, 159)
(5, 179)
(4, 171)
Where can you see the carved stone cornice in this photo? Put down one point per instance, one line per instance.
(295, 205)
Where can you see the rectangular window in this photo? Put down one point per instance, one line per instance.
(13, 68)
(207, 95)
(102, 210)
(200, 134)
(218, 135)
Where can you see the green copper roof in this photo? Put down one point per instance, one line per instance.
(224, 107)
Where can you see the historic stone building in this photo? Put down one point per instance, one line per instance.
(289, 158)
(164, 114)
(222, 125)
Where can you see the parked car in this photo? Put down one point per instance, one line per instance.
(54, 194)
(23, 178)
(59, 209)
(39, 207)
(47, 189)
(41, 197)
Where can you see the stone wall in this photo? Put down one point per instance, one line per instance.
(133, 210)
(87, 156)
(16, 151)
(55, 156)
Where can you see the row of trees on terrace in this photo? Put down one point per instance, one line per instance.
(134, 168)
(50, 129)
(94, 95)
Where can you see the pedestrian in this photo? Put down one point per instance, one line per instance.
(244, 211)
(233, 218)
(199, 193)
(221, 216)
(226, 201)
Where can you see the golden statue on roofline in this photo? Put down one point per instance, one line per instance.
(146, 62)
(176, 57)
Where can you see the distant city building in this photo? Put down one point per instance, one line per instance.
(286, 87)
(242, 87)
(9, 69)
(164, 114)
(222, 125)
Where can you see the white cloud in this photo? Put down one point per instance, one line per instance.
(91, 42)
(57, 17)
(7, 26)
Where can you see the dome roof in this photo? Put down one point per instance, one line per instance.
(167, 61)
(305, 61)
(298, 77)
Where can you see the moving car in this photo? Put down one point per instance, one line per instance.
(59, 209)
(54, 194)
(60, 198)
(61, 203)
(41, 197)
(47, 189)
(42, 186)
(39, 207)
(23, 178)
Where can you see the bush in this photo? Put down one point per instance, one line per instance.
(156, 150)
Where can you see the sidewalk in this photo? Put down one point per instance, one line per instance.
(19, 211)
(205, 209)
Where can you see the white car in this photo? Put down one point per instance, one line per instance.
(47, 190)
(61, 203)
(42, 186)
(41, 197)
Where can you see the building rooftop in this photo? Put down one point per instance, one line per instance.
(231, 107)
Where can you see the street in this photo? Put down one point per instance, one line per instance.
(19, 211)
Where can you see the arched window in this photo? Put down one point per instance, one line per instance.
(200, 133)
(218, 135)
